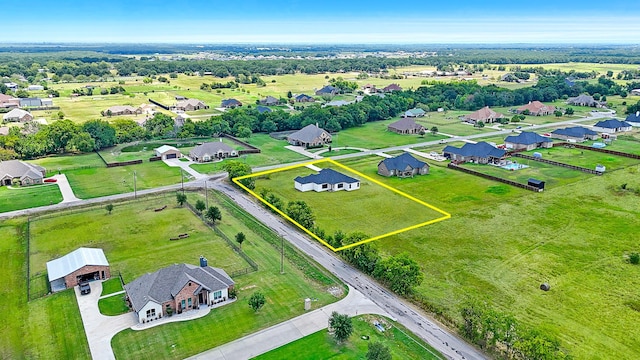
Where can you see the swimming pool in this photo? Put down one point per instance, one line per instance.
(514, 166)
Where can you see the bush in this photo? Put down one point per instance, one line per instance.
(634, 258)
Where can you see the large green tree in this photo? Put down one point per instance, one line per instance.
(299, 211)
(400, 273)
(237, 169)
(103, 133)
(341, 326)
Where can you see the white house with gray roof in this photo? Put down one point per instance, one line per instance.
(211, 151)
(16, 115)
(25, 173)
(179, 287)
(309, 136)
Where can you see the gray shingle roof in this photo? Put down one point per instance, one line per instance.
(326, 176)
(402, 162)
(210, 148)
(303, 96)
(481, 150)
(405, 124)
(527, 138)
(19, 169)
(307, 134)
(231, 102)
(575, 131)
(327, 90)
(165, 283)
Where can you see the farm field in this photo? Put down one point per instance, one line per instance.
(49, 327)
(285, 294)
(355, 206)
(321, 345)
(502, 242)
(28, 197)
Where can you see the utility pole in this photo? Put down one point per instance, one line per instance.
(135, 189)
(282, 256)
(206, 194)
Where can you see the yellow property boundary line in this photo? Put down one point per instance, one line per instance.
(445, 214)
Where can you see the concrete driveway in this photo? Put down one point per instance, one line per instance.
(184, 165)
(355, 303)
(100, 328)
(65, 188)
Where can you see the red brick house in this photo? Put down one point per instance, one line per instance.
(83, 264)
(536, 108)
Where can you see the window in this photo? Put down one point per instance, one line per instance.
(217, 295)
(340, 186)
(183, 304)
(151, 313)
(189, 302)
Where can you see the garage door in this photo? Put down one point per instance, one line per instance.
(172, 156)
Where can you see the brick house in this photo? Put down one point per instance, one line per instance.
(178, 288)
(536, 108)
(82, 264)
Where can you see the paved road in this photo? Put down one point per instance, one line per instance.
(291, 330)
(436, 335)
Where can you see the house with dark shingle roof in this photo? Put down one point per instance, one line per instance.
(179, 287)
(328, 90)
(612, 126)
(391, 88)
(309, 136)
(303, 98)
(230, 103)
(326, 180)
(405, 126)
(269, 101)
(527, 140)
(403, 165)
(633, 119)
(584, 100)
(481, 153)
(211, 151)
(485, 115)
(25, 173)
(536, 108)
(262, 109)
(575, 133)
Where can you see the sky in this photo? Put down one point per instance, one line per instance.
(324, 22)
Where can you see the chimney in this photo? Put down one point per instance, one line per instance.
(637, 113)
(203, 261)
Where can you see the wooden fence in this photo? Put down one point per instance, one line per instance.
(606, 151)
(494, 178)
(556, 163)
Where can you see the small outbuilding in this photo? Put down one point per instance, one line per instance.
(536, 183)
(168, 152)
(82, 264)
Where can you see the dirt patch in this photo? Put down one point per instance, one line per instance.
(336, 291)
(248, 287)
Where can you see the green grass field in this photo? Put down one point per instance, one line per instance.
(47, 328)
(285, 294)
(96, 182)
(502, 242)
(355, 206)
(321, 345)
(69, 161)
(145, 149)
(113, 305)
(28, 197)
(111, 286)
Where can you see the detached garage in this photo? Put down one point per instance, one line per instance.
(83, 264)
(168, 152)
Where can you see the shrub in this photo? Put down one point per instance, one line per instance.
(634, 258)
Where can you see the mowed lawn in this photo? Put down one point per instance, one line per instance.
(350, 211)
(502, 243)
(134, 237)
(55, 163)
(96, 182)
(285, 294)
(584, 158)
(321, 345)
(48, 328)
(29, 196)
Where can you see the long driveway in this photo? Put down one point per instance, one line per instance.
(433, 333)
(355, 303)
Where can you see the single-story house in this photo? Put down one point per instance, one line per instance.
(27, 174)
(8, 101)
(148, 109)
(211, 151)
(415, 112)
(17, 115)
(328, 90)
(482, 153)
(536, 108)
(176, 289)
(527, 140)
(326, 180)
(369, 89)
(230, 103)
(584, 100)
(575, 133)
(303, 98)
(262, 109)
(309, 136)
(391, 87)
(612, 126)
(30, 102)
(168, 152)
(82, 264)
(485, 115)
(190, 105)
(633, 119)
(269, 101)
(508, 77)
(406, 126)
(635, 92)
(12, 86)
(403, 165)
(119, 110)
(35, 88)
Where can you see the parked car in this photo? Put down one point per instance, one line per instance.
(50, 180)
(85, 288)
